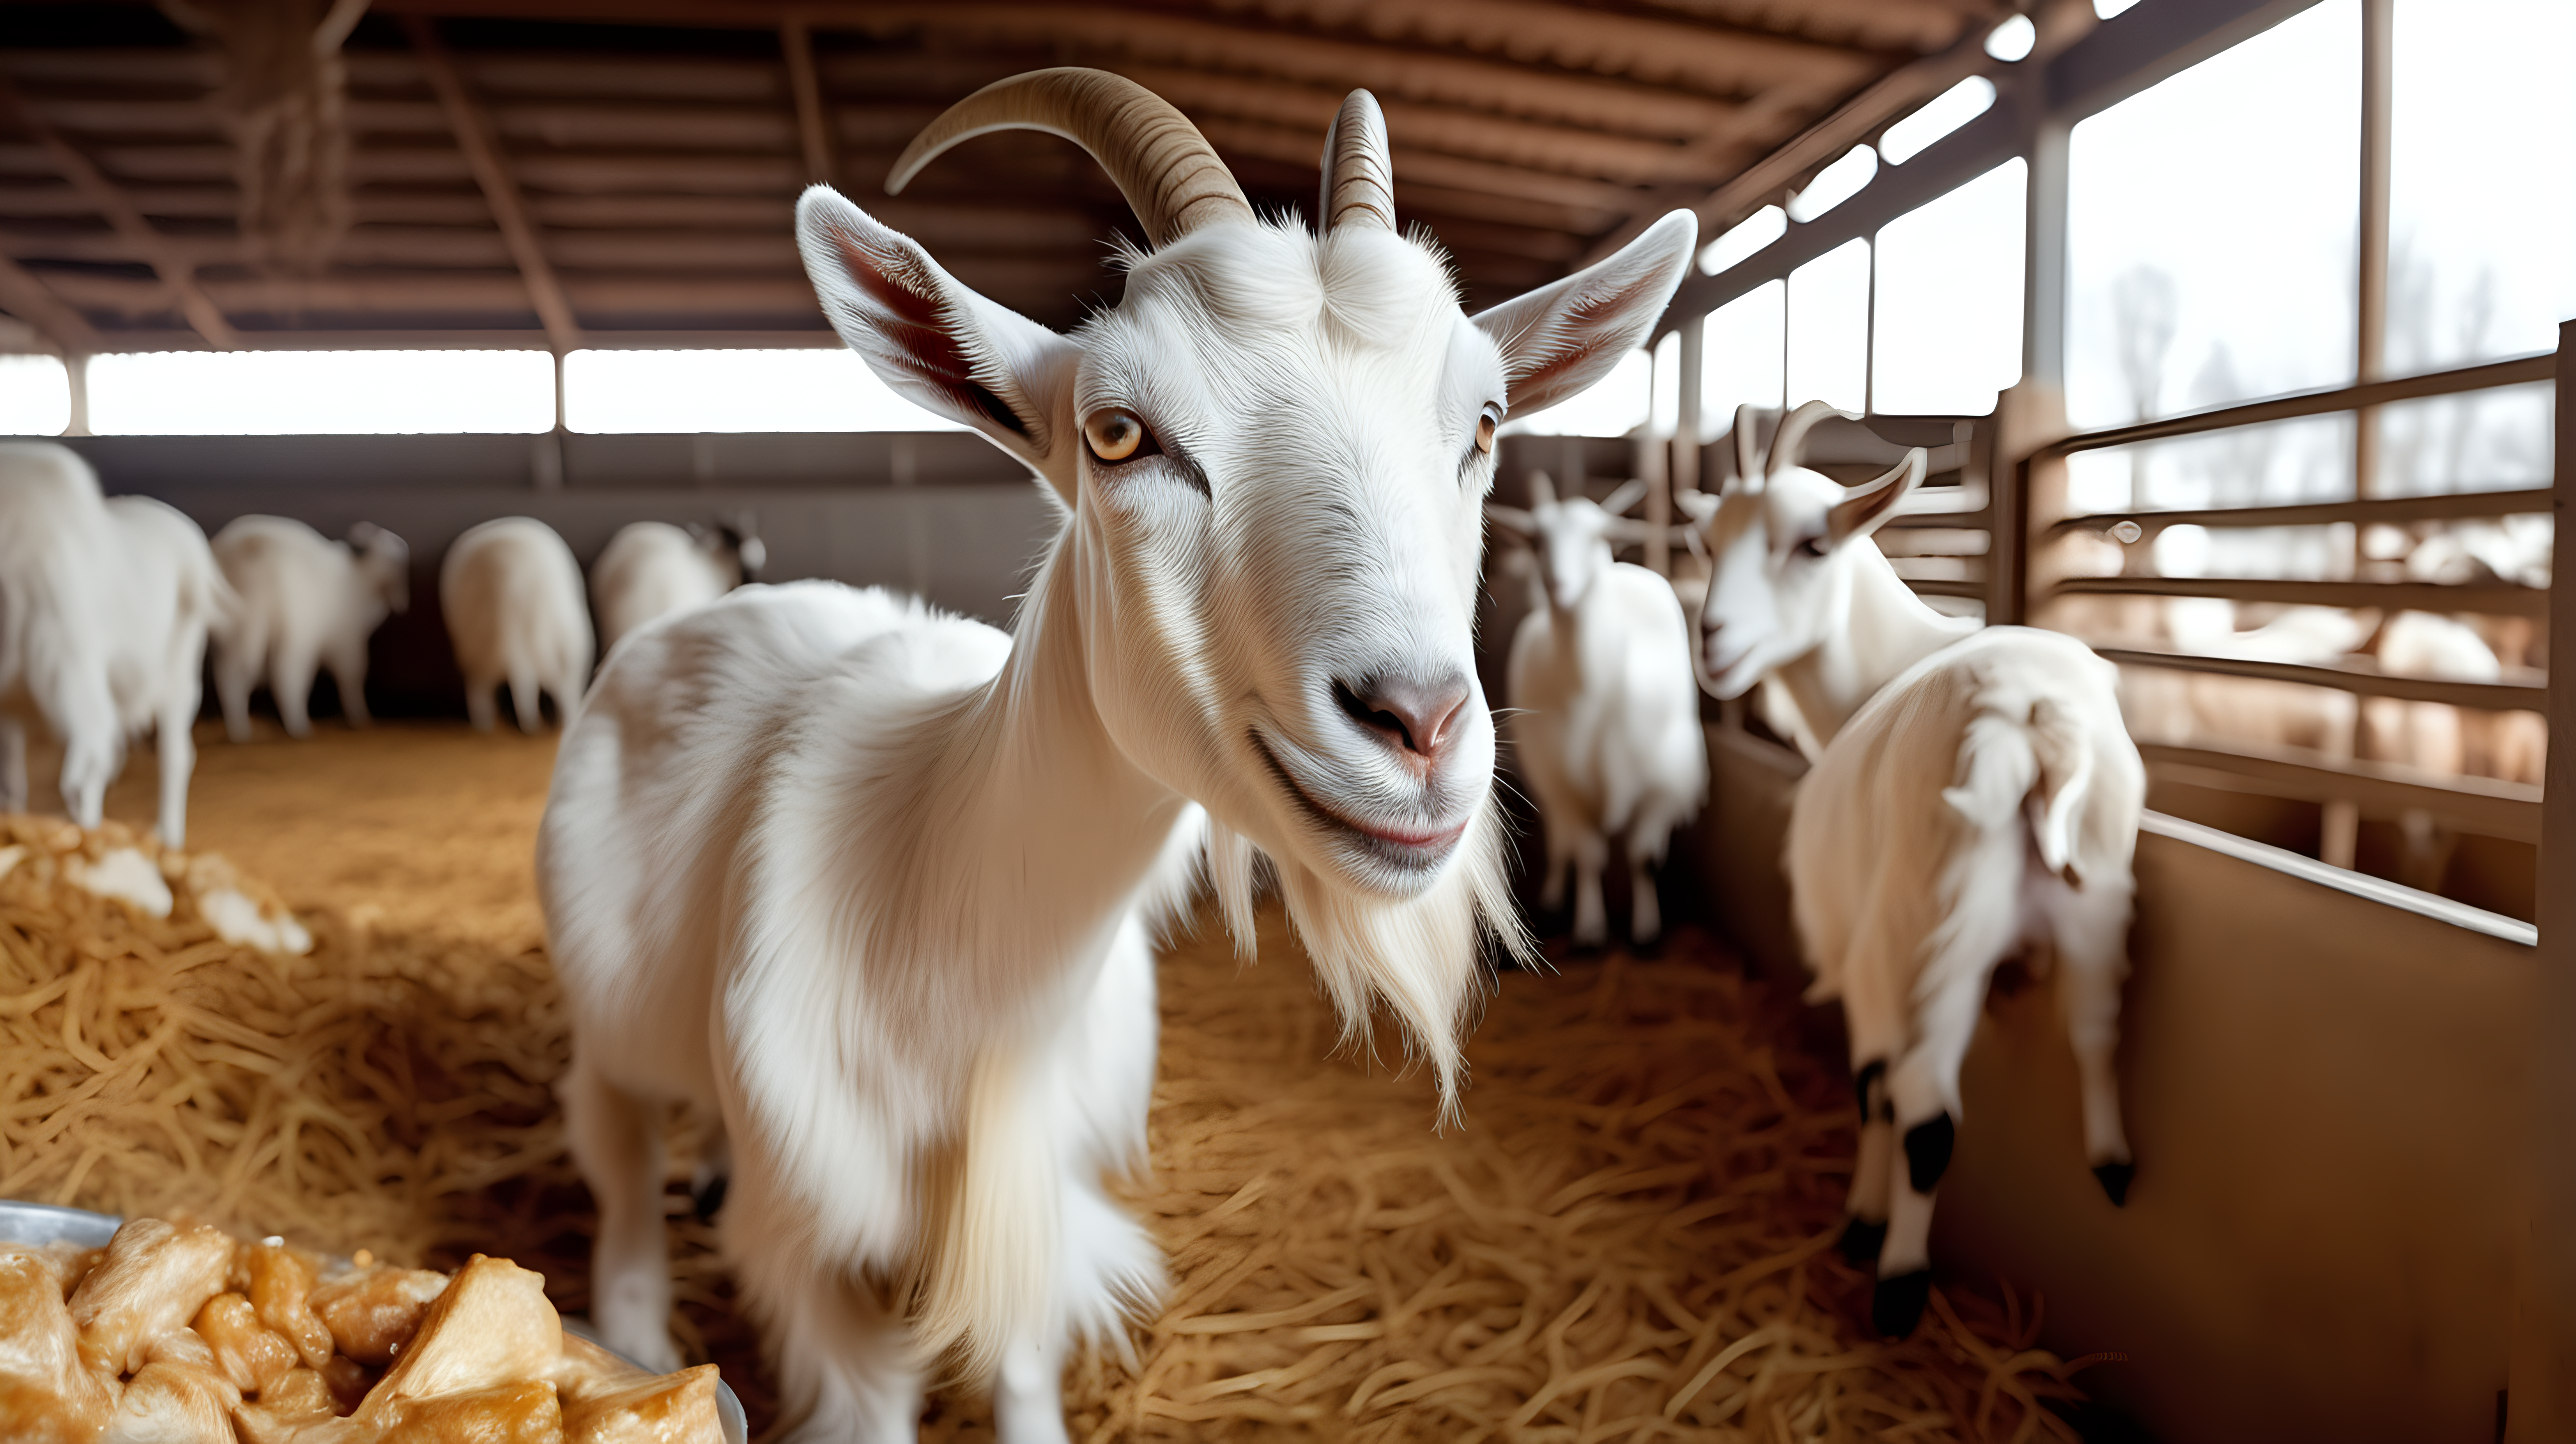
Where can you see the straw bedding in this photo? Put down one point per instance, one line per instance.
(1629, 1239)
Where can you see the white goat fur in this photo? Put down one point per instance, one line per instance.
(306, 602)
(879, 886)
(652, 569)
(104, 608)
(1975, 791)
(1604, 723)
(512, 597)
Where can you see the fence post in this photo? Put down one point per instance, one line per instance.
(2542, 1377)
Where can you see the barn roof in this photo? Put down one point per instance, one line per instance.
(582, 172)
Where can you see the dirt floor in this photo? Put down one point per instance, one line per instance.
(1628, 1239)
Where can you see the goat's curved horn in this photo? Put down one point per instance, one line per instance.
(1748, 452)
(1542, 489)
(1793, 433)
(1168, 172)
(1359, 180)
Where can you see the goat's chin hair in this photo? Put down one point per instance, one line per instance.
(1421, 955)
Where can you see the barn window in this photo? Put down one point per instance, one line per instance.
(318, 393)
(818, 389)
(1829, 327)
(1947, 322)
(1743, 348)
(35, 396)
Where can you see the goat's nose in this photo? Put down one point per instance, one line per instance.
(1416, 716)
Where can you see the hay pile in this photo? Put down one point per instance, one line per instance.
(1629, 1240)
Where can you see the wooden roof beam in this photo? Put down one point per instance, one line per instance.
(813, 127)
(474, 137)
(27, 297)
(110, 201)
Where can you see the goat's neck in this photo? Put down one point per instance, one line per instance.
(1032, 832)
(1883, 629)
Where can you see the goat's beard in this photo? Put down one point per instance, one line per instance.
(1422, 955)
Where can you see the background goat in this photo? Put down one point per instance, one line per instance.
(1974, 791)
(512, 595)
(104, 608)
(878, 886)
(306, 602)
(1605, 715)
(651, 569)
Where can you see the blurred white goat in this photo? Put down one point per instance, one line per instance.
(306, 602)
(512, 595)
(104, 608)
(1974, 791)
(652, 569)
(1605, 714)
(880, 886)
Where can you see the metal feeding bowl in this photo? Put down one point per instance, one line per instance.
(44, 1223)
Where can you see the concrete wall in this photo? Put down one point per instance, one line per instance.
(2323, 1090)
(944, 515)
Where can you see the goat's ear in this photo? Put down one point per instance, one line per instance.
(1867, 507)
(1511, 518)
(936, 342)
(1630, 492)
(1562, 337)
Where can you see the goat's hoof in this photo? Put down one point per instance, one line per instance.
(1927, 1151)
(2115, 1181)
(1862, 1240)
(708, 1196)
(1896, 1305)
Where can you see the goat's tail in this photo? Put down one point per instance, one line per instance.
(2064, 752)
(2037, 766)
(988, 1282)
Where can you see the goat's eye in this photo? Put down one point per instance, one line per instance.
(1813, 548)
(1116, 435)
(1486, 422)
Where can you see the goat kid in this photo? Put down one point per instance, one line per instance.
(878, 887)
(512, 596)
(652, 569)
(306, 602)
(104, 609)
(1605, 715)
(1974, 792)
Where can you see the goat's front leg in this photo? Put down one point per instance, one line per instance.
(290, 681)
(616, 1140)
(349, 671)
(2092, 930)
(178, 761)
(482, 701)
(1923, 1086)
(13, 764)
(846, 1371)
(1028, 1395)
(1591, 919)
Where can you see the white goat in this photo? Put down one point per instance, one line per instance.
(652, 569)
(104, 608)
(306, 602)
(1605, 715)
(879, 886)
(512, 595)
(1974, 791)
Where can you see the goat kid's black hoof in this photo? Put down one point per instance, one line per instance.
(1896, 1305)
(2115, 1181)
(708, 1197)
(1862, 1240)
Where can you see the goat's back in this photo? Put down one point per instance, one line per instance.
(511, 592)
(1906, 790)
(671, 777)
(652, 569)
(168, 595)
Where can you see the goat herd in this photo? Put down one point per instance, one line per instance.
(110, 606)
(876, 887)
